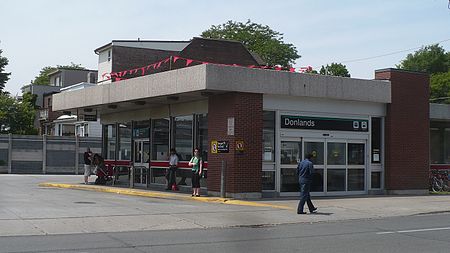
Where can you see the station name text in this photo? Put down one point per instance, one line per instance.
(299, 122)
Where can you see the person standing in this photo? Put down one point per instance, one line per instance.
(172, 170)
(196, 163)
(305, 170)
(87, 165)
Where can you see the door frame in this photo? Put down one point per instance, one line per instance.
(341, 138)
(138, 145)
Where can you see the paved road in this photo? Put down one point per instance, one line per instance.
(40, 219)
(424, 233)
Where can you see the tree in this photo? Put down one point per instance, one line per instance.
(440, 87)
(436, 62)
(4, 77)
(430, 59)
(267, 43)
(17, 117)
(335, 69)
(43, 77)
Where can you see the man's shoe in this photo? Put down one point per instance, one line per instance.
(301, 212)
(314, 210)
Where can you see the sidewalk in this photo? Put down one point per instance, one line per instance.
(280, 211)
(66, 206)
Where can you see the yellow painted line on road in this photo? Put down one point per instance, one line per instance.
(162, 195)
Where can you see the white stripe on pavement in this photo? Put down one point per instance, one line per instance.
(413, 230)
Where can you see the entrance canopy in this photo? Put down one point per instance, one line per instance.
(202, 81)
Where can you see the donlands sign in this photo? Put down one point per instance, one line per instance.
(317, 123)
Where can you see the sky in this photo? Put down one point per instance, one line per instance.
(39, 33)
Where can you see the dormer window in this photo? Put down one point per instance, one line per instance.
(58, 81)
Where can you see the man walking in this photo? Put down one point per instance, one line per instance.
(305, 170)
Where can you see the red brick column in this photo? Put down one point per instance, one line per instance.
(407, 131)
(243, 174)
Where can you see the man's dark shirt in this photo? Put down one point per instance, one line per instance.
(305, 170)
(87, 155)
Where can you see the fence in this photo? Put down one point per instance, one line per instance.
(23, 154)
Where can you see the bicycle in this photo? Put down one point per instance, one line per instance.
(439, 181)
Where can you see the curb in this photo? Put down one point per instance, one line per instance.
(161, 195)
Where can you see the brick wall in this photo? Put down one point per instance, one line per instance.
(218, 51)
(126, 58)
(406, 130)
(243, 169)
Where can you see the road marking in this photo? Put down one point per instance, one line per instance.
(413, 230)
(157, 194)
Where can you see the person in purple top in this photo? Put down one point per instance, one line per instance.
(305, 170)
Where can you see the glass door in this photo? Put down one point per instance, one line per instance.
(317, 149)
(291, 154)
(339, 165)
(345, 167)
(336, 161)
(141, 161)
(356, 166)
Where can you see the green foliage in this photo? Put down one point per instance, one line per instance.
(44, 79)
(4, 77)
(335, 69)
(440, 88)
(436, 62)
(17, 117)
(267, 43)
(430, 59)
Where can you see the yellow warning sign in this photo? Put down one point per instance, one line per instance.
(214, 147)
(240, 146)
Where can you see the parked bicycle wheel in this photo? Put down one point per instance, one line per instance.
(436, 185)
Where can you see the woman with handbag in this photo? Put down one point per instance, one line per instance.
(196, 163)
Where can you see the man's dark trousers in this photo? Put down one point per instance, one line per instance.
(305, 186)
(171, 177)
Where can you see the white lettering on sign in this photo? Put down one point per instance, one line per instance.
(298, 122)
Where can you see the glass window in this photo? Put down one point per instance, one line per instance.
(109, 134)
(376, 140)
(289, 180)
(124, 141)
(317, 181)
(435, 146)
(376, 180)
(316, 149)
(355, 153)
(336, 153)
(183, 137)
(141, 129)
(355, 179)
(269, 136)
(68, 130)
(160, 140)
(336, 179)
(202, 135)
(137, 152)
(291, 152)
(446, 145)
(268, 180)
(146, 152)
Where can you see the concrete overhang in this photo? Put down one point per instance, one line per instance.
(201, 81)
(440, 112)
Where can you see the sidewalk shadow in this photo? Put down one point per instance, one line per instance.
(321, 213)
